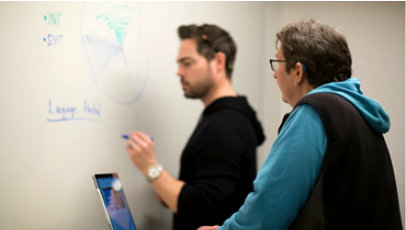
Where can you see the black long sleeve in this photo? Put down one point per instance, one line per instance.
(218, 165)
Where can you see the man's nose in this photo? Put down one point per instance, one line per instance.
(180, 73)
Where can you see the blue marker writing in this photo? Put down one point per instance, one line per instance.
(126, 136)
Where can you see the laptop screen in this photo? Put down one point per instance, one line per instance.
(114, 201)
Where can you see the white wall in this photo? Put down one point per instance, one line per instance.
(46, 166)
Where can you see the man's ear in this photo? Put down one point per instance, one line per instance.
(220, 61)
(299, 73)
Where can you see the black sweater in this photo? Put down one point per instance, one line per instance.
(218, 164)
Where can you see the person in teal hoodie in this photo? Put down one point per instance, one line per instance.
(329, 167)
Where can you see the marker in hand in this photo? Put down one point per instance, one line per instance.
(126, 136)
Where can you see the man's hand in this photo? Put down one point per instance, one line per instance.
(209, 227)
(141, 150)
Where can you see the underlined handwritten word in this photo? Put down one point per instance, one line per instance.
(84, 111)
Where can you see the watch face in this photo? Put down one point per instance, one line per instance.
(153, 172)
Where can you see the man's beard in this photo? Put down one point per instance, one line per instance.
(197, 91)
(201, 88)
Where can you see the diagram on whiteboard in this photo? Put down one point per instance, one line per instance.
(111, 35)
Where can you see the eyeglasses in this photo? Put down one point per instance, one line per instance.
(275, 63)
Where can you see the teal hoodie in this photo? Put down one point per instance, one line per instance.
(290, 171)
(369, 108)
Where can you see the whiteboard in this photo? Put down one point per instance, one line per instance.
(74, 78)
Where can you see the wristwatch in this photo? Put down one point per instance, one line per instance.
(154, 172)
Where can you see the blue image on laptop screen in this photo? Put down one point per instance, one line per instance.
(116, 204)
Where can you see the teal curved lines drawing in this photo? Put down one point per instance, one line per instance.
(117, 18)
(104, 29)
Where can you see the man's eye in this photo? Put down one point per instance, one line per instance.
(187, 64)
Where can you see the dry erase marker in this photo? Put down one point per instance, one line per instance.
(126, 136)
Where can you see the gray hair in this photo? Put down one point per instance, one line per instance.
(321, 48)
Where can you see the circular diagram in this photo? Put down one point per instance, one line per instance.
(118, 65)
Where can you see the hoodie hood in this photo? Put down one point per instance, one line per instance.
(241, 105)
(370, 109)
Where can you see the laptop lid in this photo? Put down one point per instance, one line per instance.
(114, 202)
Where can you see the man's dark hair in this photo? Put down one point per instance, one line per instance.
(321, 48)
(211, 39)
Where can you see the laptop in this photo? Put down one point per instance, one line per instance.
(114, 203)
